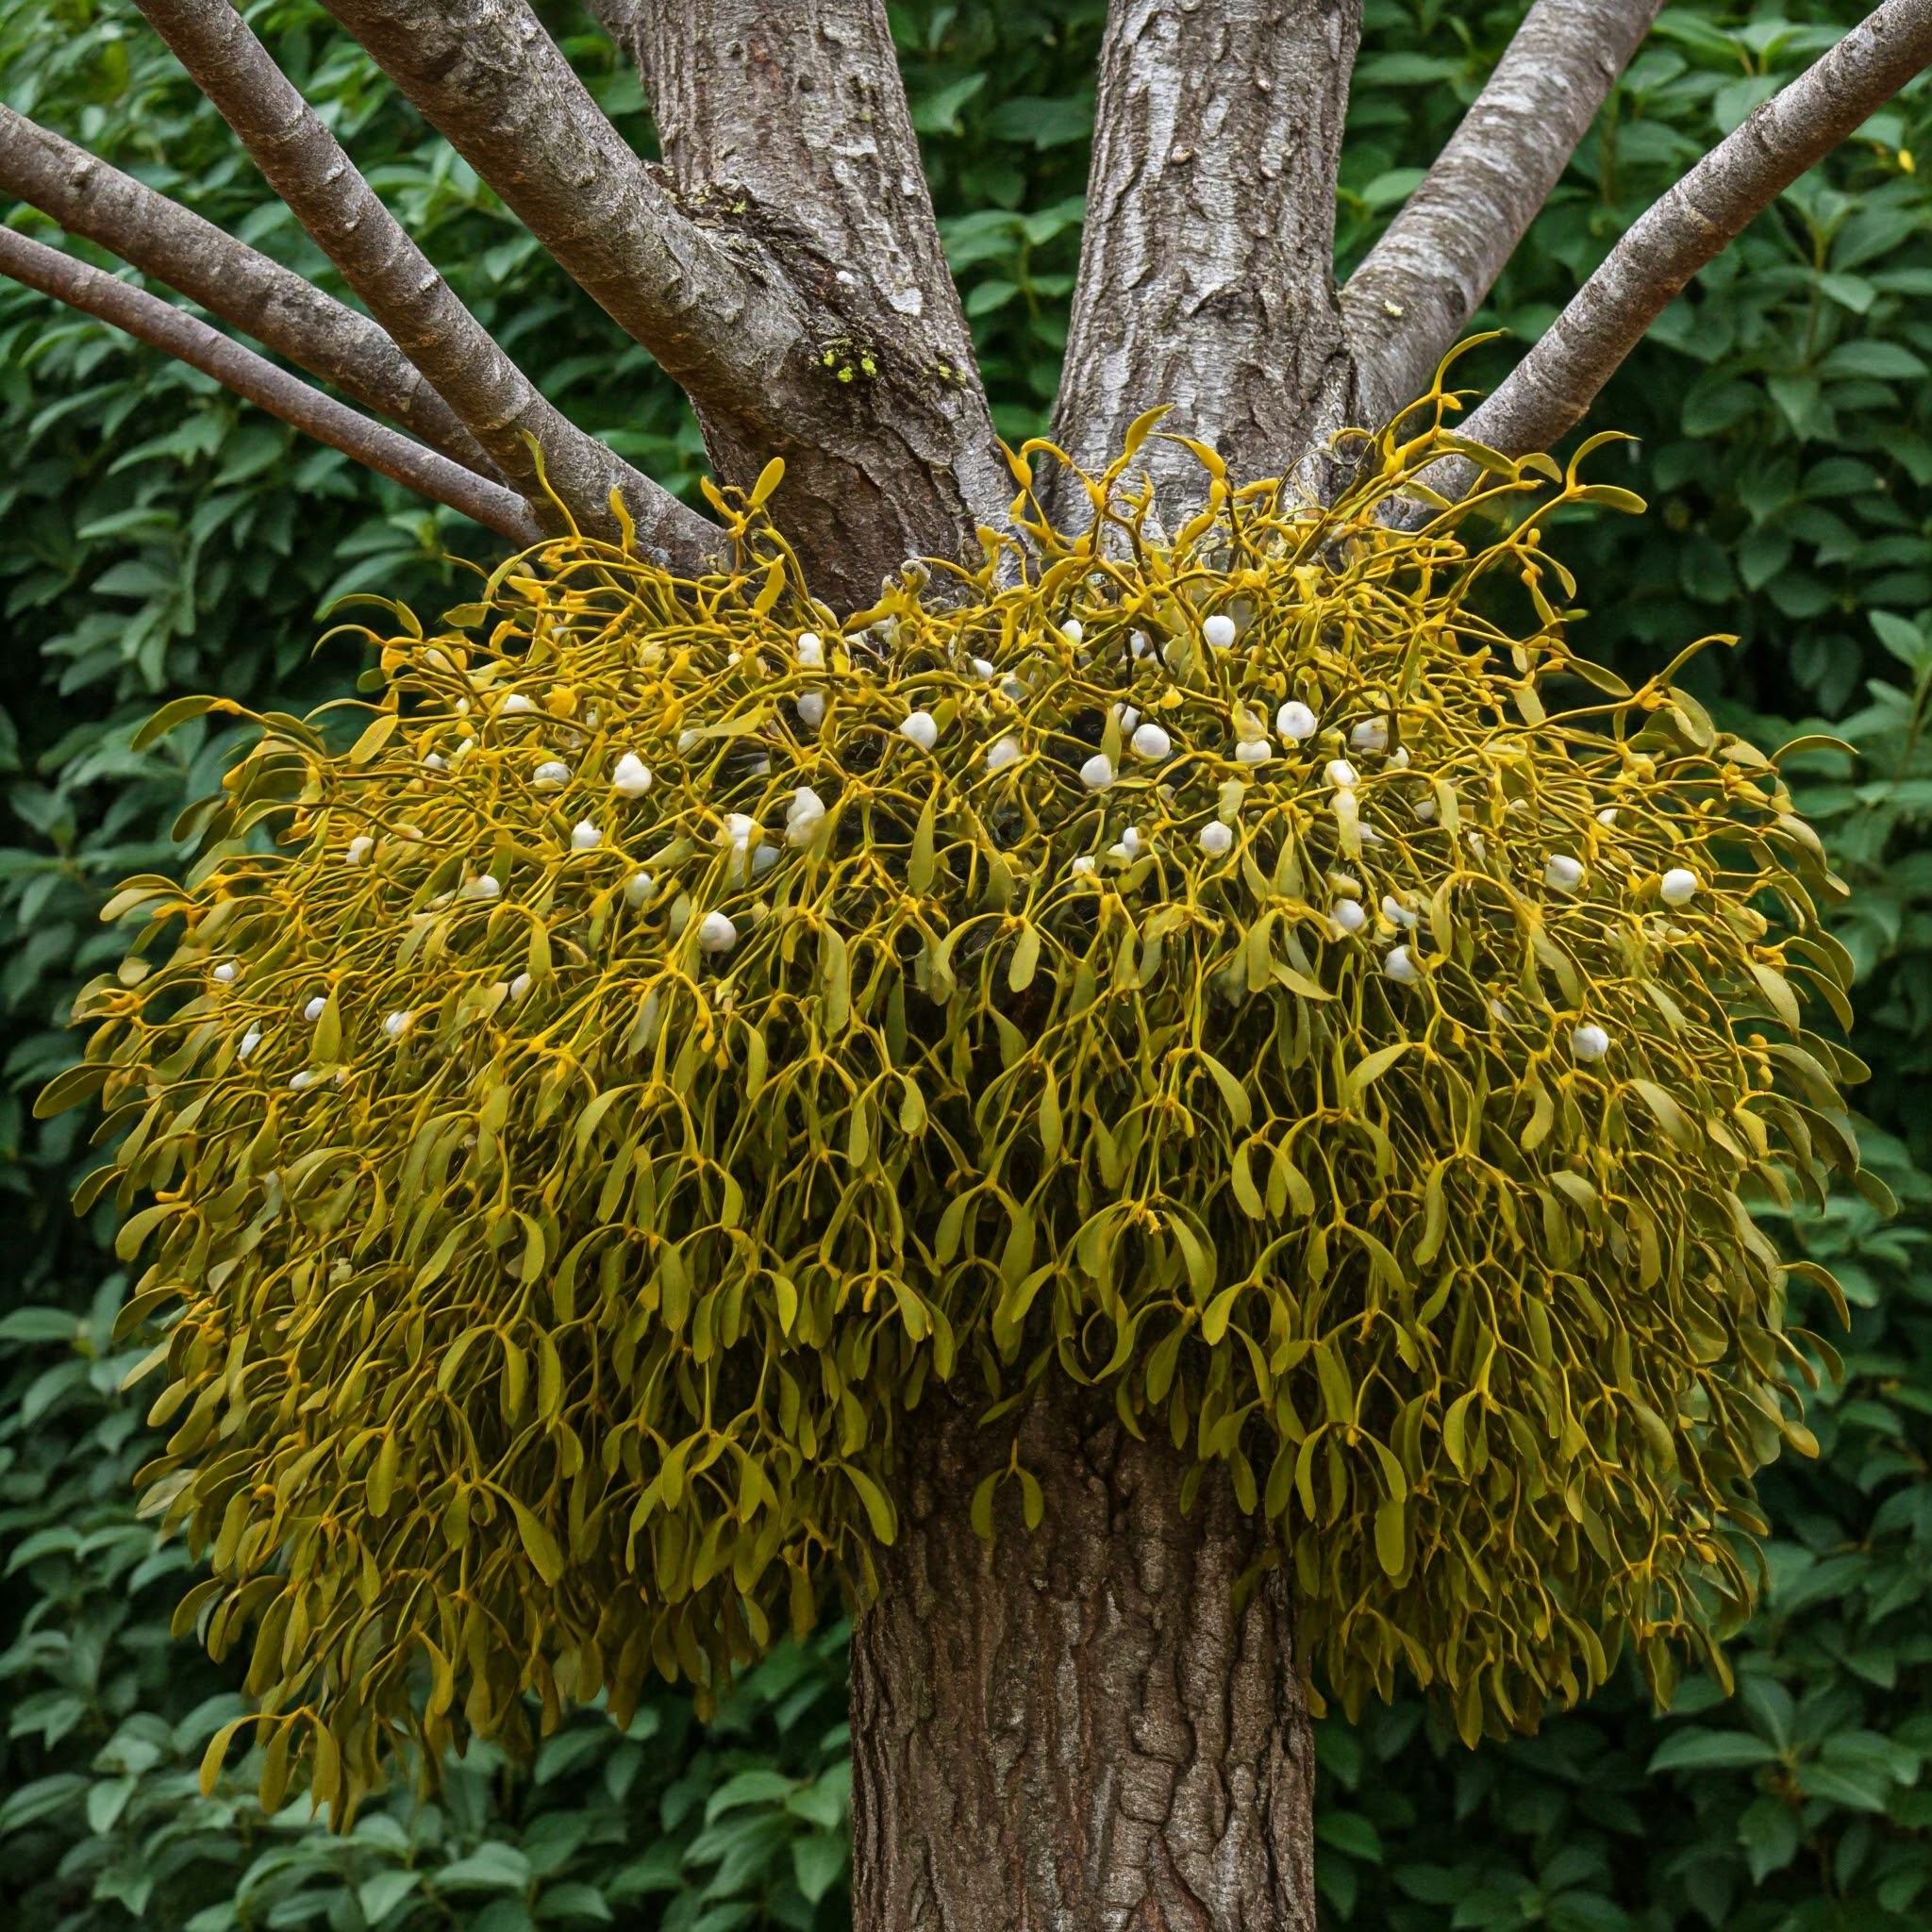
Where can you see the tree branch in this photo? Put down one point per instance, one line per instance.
(887, 447)
(791, 114)
(1206, 270)
(1548, 391)
(161, 325)
(500, 407)
(1414, 294)
(487, 78)
(258, 296)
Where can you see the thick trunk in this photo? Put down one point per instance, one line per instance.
(1075, 1727)
(1207, 268)
(785, 126)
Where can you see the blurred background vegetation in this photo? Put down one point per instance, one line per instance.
(160, 538)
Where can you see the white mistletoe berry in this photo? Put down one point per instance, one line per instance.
(553, 774)
(716, 934)
(1294, 721)
(315, 1009)
(1590, 1043)
(921, 728)
(227, 973)
(1564, 873)
(397, 1024)
(1677, 886)
(1340, 774)
(1348, 915)
(1151, 742)
(811, 708)
(1399, 967)
(1219, 630)
(811, 649)
(630, 776)
(1253, 751)
(1097, 773)
(583, 836)
(638, 890)
(360, 846)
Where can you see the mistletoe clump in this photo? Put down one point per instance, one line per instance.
(1248, 971)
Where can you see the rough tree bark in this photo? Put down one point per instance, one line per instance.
(1075, 1727)
(1419, 286)
(1207, 264)
(530, 441)
(886, 438)
(788, 125)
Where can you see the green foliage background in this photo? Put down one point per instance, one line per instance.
(160, 539)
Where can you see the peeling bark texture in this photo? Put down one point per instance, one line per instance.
(1547, 392)
(788, 120)
(1076, 1729)
(161, 325)
(771, 366)
(228, 278)
(1206, 270)
(1413, 296)
(500, 407)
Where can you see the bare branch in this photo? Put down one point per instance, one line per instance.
(1206, 270)
(888, 455)
(163, 326)
(258, 296)
(789, 118)
(487, 78)
(497, 403)
(1550, 388)
(1408, 301)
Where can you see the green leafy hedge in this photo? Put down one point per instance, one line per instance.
(160, 537)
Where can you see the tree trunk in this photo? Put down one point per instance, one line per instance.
(1076, 1729)
(1208, 262)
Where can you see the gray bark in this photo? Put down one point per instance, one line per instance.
(1206, 270)
(758, 342)
(228, 278)
(1076, 1728)
(1547, 392)
(163, 326)
(500, 407)
(787, 120)
(1413, 296)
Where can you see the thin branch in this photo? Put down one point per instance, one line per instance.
(1548, 391)
(493, 82)
(1206, 270)
(244, 287)
(500, 407)
(1414, 294)
(163, 326)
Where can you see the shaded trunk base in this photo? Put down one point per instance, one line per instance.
(1074, 1728)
